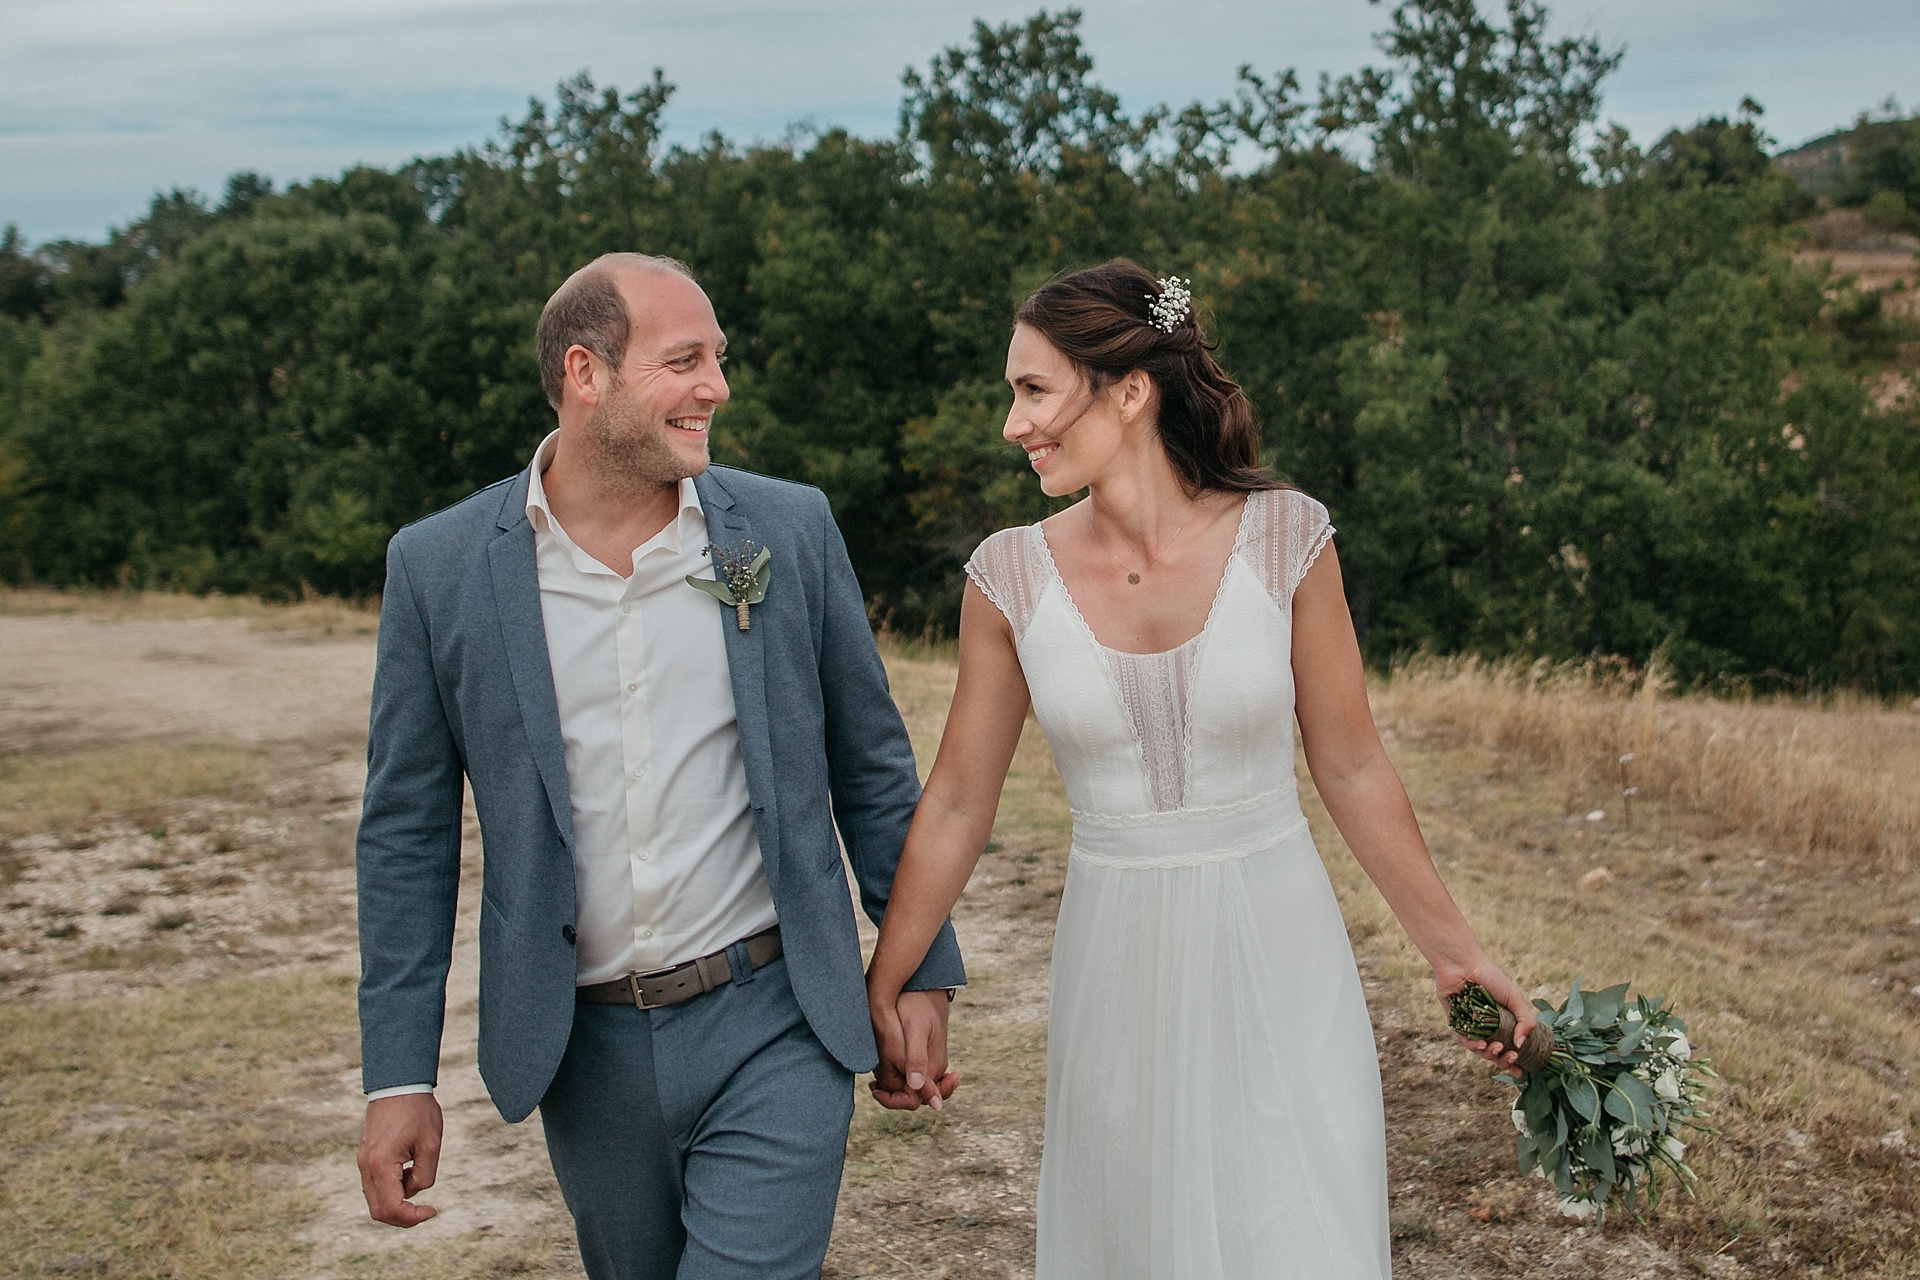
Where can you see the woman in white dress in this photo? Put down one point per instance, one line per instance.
(1213, 1098)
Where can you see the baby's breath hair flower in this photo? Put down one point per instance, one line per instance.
(1173, 304)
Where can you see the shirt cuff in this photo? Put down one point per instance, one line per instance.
(395, 1091)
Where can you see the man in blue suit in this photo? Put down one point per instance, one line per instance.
(669, 967)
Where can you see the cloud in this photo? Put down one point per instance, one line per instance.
(103, 102)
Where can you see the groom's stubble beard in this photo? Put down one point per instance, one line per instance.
(632, 454)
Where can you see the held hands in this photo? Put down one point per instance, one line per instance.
(1450, 979)
(911, 1028)
(399, 1156)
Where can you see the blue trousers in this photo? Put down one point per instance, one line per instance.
(703, 1141)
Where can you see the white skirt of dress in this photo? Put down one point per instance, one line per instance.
(1213, 1096)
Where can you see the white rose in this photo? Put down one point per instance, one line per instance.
(1573, 1208)
(1632, 1142)
(1680, 1049)
(1672, 1148)
(1667, 1085)
(1520, 1120)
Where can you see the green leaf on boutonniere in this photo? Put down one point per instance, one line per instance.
(741, 575)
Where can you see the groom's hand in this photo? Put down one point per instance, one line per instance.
(913, 1069)
(399, 1155)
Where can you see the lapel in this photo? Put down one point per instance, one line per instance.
(516, 598)
(728, 525)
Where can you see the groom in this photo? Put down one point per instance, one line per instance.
(669, 968)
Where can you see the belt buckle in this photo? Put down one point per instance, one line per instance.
(633, 986)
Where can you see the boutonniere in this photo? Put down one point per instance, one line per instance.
(740, 576)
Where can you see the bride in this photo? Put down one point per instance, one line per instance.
(1213, 1098)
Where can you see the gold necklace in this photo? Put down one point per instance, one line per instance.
(1133, 578)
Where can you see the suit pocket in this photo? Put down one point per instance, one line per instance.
(488, 903)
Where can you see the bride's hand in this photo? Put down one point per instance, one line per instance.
(911, 1032)
(1449, 979)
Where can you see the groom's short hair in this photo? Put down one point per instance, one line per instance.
(588, 311)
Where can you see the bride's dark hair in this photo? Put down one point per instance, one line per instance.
(1099, 318)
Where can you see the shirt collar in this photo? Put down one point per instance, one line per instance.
(691, 522)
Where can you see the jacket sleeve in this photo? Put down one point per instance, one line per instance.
(407, 854)
(869, 758)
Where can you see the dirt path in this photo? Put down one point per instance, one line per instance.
(70, 682)
(260, 876)
(263, 873)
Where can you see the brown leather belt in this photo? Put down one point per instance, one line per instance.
(663, 987)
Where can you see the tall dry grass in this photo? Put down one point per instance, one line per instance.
(1838, 776)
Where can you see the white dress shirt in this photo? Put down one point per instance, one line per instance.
(665, 860)
(666, 864)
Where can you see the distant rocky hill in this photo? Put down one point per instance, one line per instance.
(1817, 166)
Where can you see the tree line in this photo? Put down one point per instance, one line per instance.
(1563, 396)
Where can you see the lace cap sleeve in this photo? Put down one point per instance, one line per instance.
(1286, 538)
(1007, 571)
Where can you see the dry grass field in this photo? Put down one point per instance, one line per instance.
(178, 1083)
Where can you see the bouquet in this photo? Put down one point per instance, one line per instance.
(1609, 1084)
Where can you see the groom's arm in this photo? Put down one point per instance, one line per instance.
(869, 757)
(407, 854)
(407, 862)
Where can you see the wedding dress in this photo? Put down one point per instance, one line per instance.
(1213, 1098)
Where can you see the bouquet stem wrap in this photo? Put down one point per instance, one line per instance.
(1475, 1014)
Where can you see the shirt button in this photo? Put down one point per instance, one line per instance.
(626, 608)
(640, 772)
(645, 854)
(646, 933)
(633, 688)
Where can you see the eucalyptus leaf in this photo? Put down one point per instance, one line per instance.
(718, 590)
(1631, 1102)
(1575, 1009)
(1631, 1041)
(1584, 1097)
(1536, 1101)
(1597, 1151)
(1603, 1007)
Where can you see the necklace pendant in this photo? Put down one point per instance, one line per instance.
(1134, 579)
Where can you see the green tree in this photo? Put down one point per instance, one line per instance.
(1563, 397)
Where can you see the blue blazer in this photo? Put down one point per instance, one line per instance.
(463, 686)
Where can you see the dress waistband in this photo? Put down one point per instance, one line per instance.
(1187, 837)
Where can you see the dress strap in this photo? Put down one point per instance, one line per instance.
(1285, 536)
(1011, 571)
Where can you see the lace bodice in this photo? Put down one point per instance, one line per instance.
(1206, 724)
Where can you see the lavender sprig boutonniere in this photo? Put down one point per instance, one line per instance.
(740, 577)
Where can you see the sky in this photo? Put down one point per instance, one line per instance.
(105, 102)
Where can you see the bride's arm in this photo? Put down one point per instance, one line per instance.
(1364, 797)
(951, 825)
